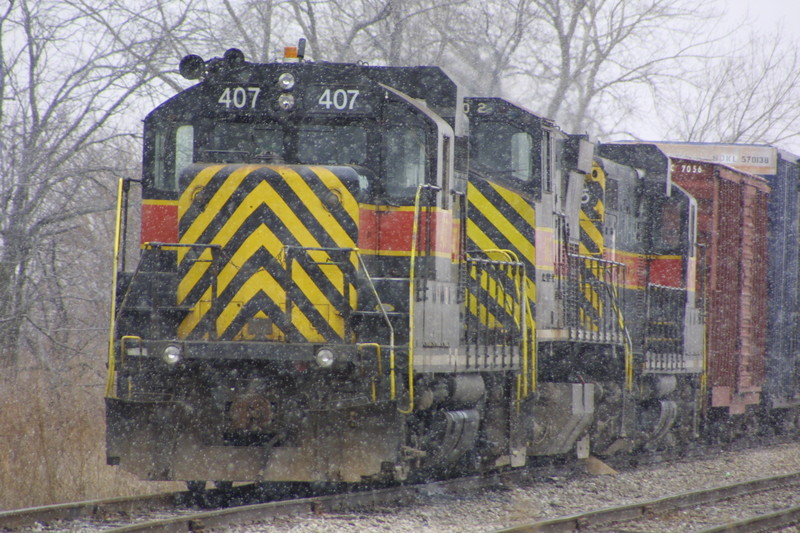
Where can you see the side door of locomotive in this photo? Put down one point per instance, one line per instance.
(418, 171)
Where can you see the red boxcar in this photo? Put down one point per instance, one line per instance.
(732, 225)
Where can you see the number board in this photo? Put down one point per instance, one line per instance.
(238, 97)
(337, 99)
(318, 99)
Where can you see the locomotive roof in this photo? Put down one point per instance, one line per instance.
(428, 83)
(502, 107)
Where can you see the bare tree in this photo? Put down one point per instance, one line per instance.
(484, 39)
(66, 78)
(749, 97)
(333, 27)
(589, 52)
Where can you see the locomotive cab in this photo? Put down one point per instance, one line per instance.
(297, 252)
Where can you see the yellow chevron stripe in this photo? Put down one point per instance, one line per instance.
(195, 274)
(262, 237)
(246, 292)
(504, 226)
(212, 208)
(592, 232)
(194, 317)
(519, 204)
(199, 182)
(318, 211)
(332, 182)
(262, 193)
(476, 234)
(484, 316)
(312, 292)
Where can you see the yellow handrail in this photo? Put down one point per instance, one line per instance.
(112, 327)
(628, 344)
(412, 296)
(528, 366)
(392, 384)
(378, 352)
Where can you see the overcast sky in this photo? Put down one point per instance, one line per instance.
(766, 14)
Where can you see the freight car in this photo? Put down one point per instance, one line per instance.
(779, 378)
(352, 273)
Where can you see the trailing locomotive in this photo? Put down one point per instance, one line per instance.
(352, 273)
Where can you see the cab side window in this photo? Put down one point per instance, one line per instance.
(173, 151)
(405, 159)
(503, 150)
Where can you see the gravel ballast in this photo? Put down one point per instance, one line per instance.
(510, 505)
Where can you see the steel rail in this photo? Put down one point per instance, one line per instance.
(638, 511)
(73, 511)
(766, 522)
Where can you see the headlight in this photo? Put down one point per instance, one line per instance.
(172, 354)
(286, 101)
(325, 357)
(286, 81)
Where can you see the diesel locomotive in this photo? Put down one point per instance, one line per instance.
(353, 273)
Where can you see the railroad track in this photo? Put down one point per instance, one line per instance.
(685, 512)
(67, 512)
(177, 512)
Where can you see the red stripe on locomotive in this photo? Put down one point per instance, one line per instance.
(665, 270)
(159, 222)
(390, 231)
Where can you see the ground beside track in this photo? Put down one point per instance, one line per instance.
(524, 502)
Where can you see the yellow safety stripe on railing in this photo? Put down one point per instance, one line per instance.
(628, 345)
(704, 374)
(112, 369)
(534, 348)
(379, 354)
(528, 350)
(412, 298)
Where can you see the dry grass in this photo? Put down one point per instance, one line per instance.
(52, 441)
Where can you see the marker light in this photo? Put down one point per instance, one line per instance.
(286, 102)
(172, 354)
(325, 357)
(286, 81)
(192, 67)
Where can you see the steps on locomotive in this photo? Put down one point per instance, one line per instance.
(664, 347)
(147, 305)
(370, 317)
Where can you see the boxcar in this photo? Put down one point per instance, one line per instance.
(732, 279)
(782, 172)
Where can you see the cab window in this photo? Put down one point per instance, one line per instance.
(504, 150)
(239, 142)
(405, 159)
(173, 151)
(321, 144)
